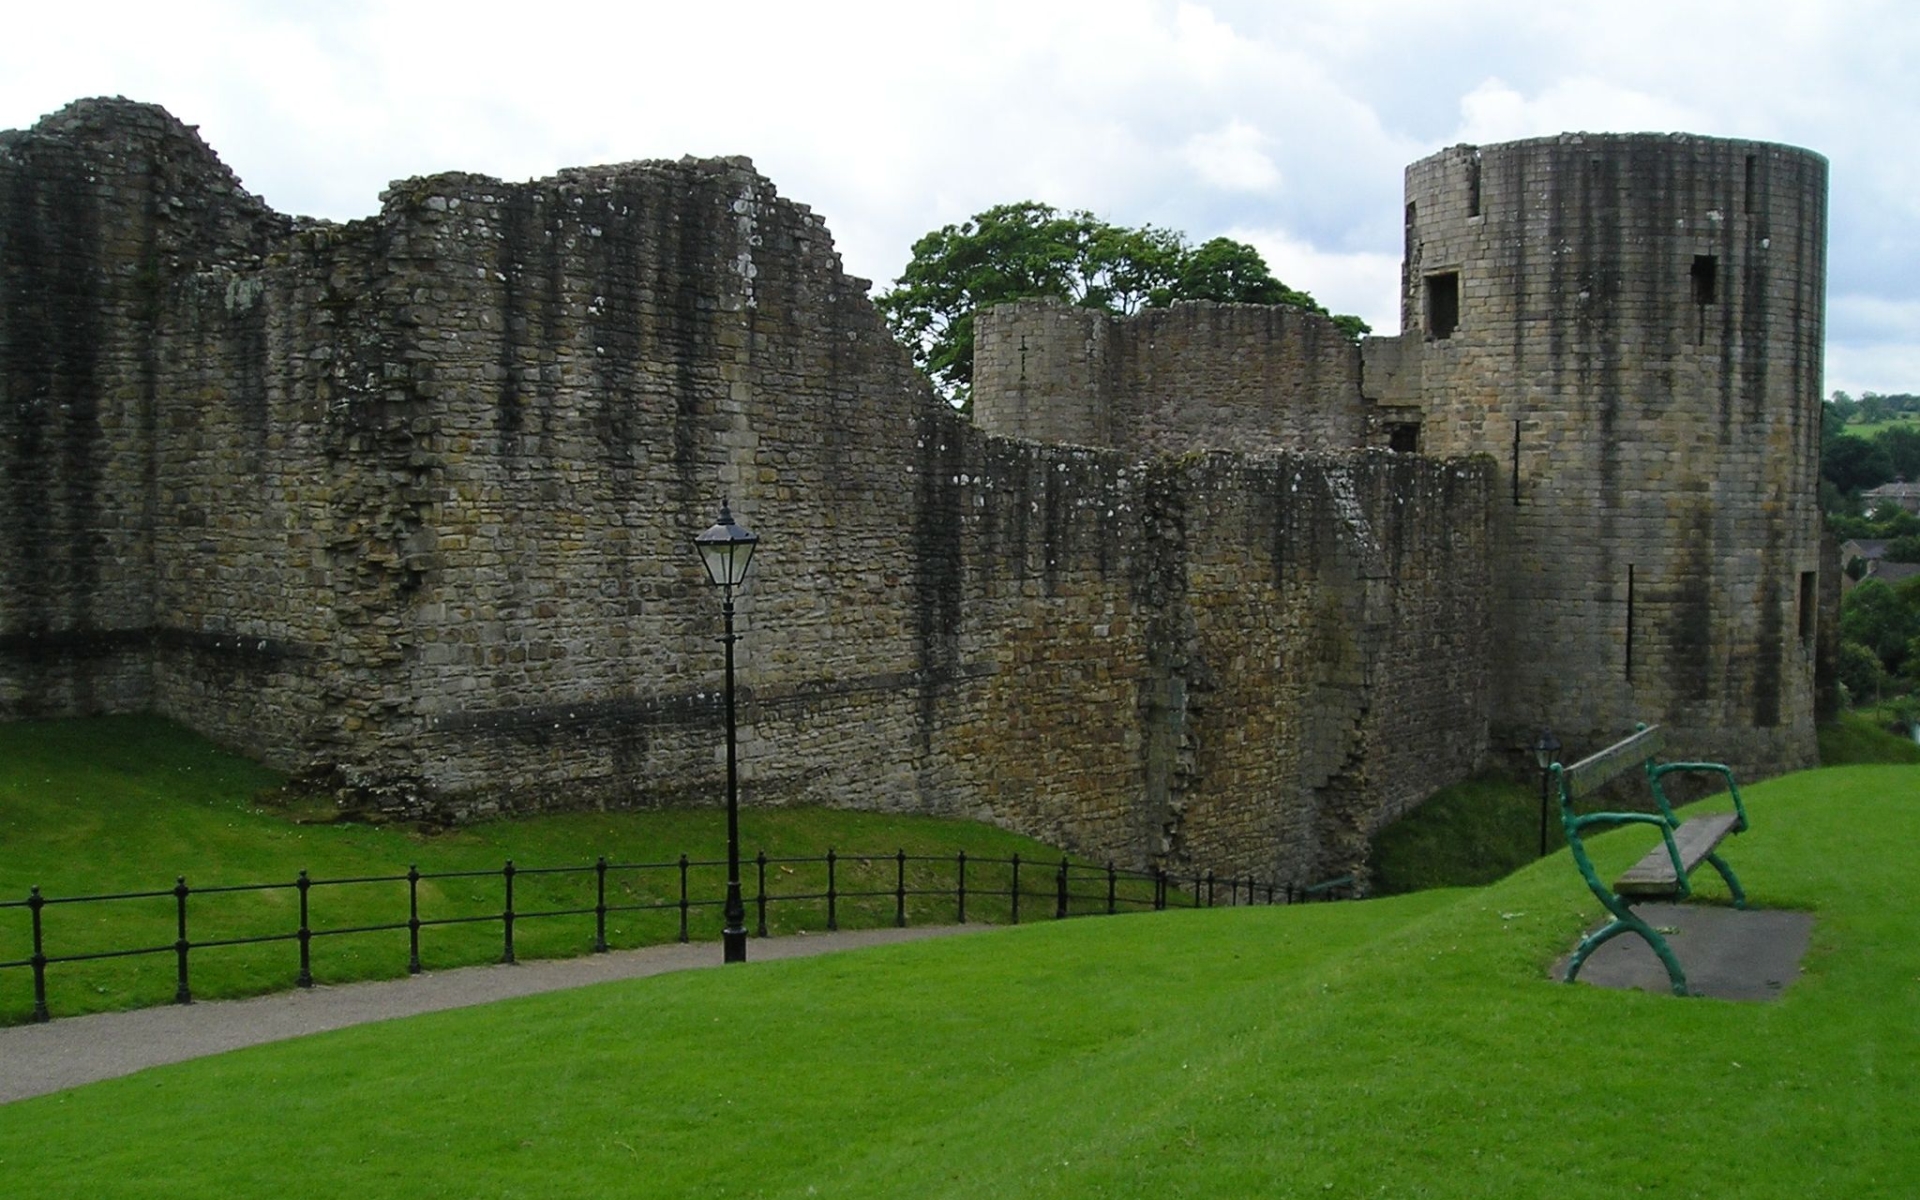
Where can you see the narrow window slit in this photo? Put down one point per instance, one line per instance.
(1706, 279)
(1443, 305)
(1516, 464)
(1629, 622)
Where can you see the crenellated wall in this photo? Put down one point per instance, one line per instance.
(408, 501)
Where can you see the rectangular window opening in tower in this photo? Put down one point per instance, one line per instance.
(1443, 304)
(1809, 599)
(1706, 279)
(1629, 647)
(1473, 185)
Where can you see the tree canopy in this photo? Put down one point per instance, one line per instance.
(1029, 250)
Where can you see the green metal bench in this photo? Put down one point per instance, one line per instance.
(1664, 873)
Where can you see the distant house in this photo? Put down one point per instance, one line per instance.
(1899, 492)
(1871, 554)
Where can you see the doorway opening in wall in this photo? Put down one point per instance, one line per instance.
(1443, 304)
(1403, 437)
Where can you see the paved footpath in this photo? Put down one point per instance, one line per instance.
(36, 1059)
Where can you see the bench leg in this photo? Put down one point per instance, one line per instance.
(1733, 885)
(1627, 922)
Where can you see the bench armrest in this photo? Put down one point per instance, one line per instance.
(1575, 824)
(1655, 773)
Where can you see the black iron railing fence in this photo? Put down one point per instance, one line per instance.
(830, 886)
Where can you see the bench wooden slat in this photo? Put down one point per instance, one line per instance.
(1653, 875)
(1595, 770)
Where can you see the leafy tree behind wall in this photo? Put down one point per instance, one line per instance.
(1029, 250)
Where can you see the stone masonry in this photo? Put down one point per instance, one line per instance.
(1628, 331)
(406, 503)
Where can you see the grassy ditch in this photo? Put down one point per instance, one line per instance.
(129, 804)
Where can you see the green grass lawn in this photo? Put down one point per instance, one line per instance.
(1868, 429)
(1408, 1047)
(127, 804)
(1469, 834)
(1861, 736)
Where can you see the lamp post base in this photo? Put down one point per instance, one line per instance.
(734, 936)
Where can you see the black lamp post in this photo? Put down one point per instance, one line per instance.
(1544, 752)
(727, 551)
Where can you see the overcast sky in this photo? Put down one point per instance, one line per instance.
(1282, 124)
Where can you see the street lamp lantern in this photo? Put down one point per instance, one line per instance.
(1545, 751)
(726, 548)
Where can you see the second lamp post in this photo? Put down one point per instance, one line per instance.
(727, 551)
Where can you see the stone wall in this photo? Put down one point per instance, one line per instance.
(103, 208)
(408, 501)
(1196, 375)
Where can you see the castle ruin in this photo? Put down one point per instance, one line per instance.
(407, 500)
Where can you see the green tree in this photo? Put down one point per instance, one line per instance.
(1855, 463)
(1881, 618)
(1903, 549)
(1860, 672)
(1902, 444)
(1836, 413)
(1029, 250)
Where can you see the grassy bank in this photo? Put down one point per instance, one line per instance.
(1404, 1047)
(129, 804)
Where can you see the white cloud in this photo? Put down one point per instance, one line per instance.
(1495, 112)
(1232, 158)
(1205, 116)
(1365, 283)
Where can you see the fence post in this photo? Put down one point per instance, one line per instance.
(1209, 887)
(760, 900)
(36, 902)
(833, 897)
(1060, 891)
(1110, 881)
(182, 994)
(506, 916)
(413, 918)
(683, 897)
(900, 889)
(600, 905)
(1014, 893)
(305, 978)
(960, 875)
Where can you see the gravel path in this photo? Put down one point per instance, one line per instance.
(37, 1059)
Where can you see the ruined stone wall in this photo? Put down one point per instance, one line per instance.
(1631, 326)
(104, 208)
(409, 500)
(1274, 655)
(1196, 375)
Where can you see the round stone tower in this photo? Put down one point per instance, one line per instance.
(1631, 327)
